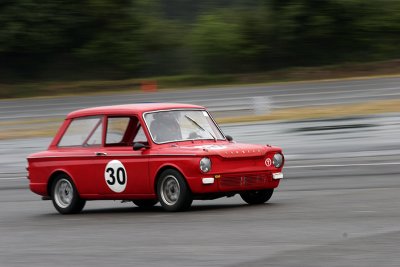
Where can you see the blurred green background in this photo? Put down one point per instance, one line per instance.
(69, 40)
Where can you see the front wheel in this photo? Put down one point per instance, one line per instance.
(173, 192)
(257, 196)
(65, 197)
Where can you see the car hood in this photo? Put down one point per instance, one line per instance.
(226, 150)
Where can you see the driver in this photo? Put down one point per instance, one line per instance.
(165, 128)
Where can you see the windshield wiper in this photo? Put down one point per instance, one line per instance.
(200, 127)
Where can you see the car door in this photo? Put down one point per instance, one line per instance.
(125, 171)
(77, 152)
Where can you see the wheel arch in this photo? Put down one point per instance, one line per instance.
(167, 167)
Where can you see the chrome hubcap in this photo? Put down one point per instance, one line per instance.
(170, 190)
(63, 193)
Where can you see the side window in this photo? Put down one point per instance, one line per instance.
(116, 128)
(83, 132)
(140, 136)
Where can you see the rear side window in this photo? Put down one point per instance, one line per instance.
(83, 132)
(116, 128)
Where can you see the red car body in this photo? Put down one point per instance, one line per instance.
(135, 167)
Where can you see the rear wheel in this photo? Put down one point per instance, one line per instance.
(257, 196)
(145, 203)
(65, 197)
(173, 192)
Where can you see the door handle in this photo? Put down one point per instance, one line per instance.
(100, 153)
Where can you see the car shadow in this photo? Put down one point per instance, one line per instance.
(133, 210)
(159, 209)
(195, 208)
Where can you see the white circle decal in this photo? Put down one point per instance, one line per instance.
(115, 176)
(268, 162)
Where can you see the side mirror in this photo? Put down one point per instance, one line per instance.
(229, 138)
(139, 146)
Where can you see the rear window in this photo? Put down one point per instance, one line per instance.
(83, 132)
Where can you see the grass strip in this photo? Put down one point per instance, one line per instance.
(333, 111)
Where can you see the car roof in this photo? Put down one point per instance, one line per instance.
(129, 109)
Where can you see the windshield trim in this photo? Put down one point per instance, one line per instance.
(181, 140)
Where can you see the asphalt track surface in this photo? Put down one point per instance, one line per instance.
(289, 95)
(338, 205)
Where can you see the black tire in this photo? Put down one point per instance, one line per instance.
(145, 203)
(173, 192)
(65, 196)
(257, 196)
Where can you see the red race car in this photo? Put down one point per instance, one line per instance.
(149, 153)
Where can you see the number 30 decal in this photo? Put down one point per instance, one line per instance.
(115, 176)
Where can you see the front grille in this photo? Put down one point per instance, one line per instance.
(245, 179)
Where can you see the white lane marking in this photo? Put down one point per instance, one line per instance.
(365, 211)
(15, 178)
(27, 116)
(342, 165)
(361, 95)
(339, 92)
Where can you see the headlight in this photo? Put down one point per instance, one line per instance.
(277, 160)
(205, 165)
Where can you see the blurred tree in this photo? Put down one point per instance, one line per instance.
(49, 39)
(111, 35)
(378, 28)
(314, 32)
(31, 34)
(216, 42)
(162, 40)
(325, 32)
(256, 29)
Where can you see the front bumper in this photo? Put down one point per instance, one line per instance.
(232, 182)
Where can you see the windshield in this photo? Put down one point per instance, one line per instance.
(180, 125)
